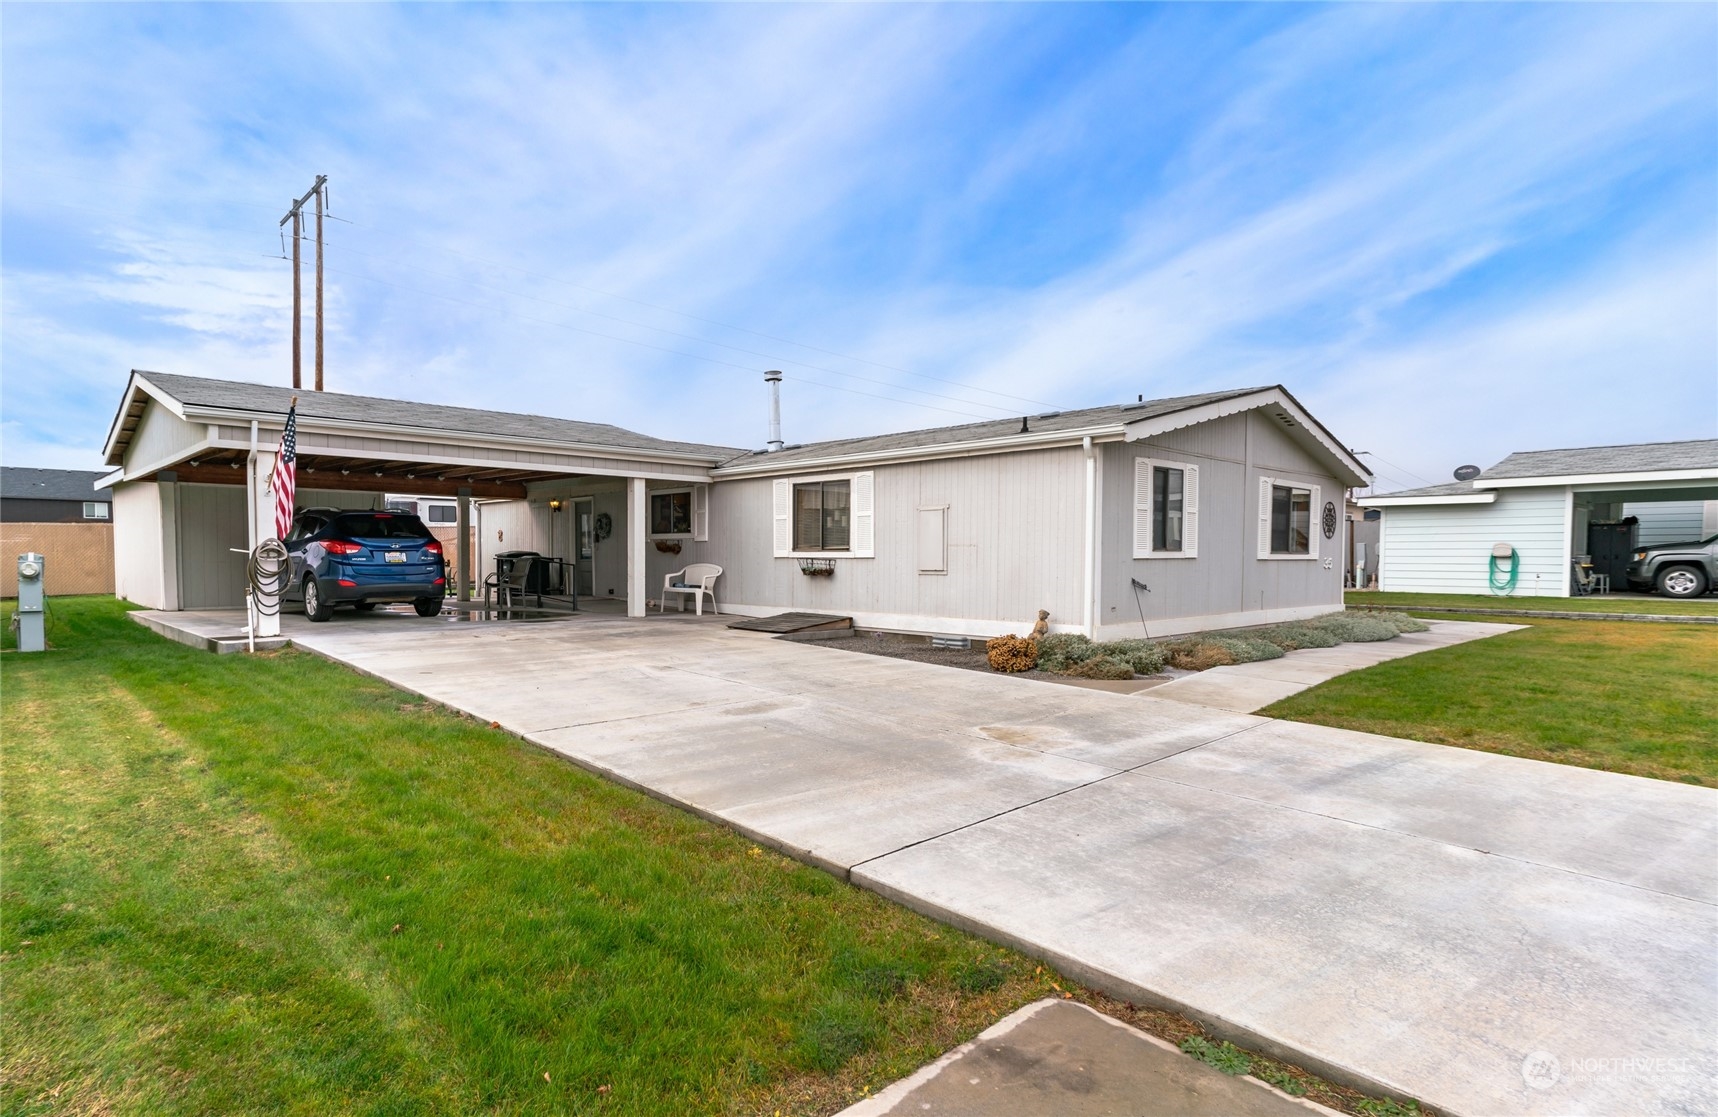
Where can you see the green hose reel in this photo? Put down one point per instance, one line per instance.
(1503, 582)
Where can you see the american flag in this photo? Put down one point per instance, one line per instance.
(284, 480)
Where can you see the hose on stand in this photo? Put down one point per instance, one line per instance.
(266, 570)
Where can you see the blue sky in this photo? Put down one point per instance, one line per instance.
(1452, 231)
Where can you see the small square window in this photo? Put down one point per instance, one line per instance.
(443, 514)
(671, 512)
(95, 510)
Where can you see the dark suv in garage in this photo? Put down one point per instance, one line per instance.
(363, 559)
(1676, 569)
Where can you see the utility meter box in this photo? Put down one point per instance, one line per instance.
(31, 568)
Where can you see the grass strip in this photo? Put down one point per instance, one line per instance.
(1632, 698)
(1603, 603)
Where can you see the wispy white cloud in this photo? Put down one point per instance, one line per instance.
(1336, 198)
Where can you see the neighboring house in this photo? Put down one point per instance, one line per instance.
(61, 515)
(1225, 506)
(1550, 508)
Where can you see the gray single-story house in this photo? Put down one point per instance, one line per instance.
(1205, 511)
(1550, 509)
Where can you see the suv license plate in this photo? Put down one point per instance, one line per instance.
(395, 556)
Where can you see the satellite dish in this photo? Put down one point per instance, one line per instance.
(1466, 472)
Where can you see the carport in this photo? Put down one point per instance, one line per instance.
(191, 458)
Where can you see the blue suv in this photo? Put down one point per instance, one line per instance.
(363, 559)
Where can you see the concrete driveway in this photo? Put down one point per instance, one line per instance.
(1486, 934)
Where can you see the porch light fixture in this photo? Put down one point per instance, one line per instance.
(555, 505)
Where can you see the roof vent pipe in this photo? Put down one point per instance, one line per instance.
(773, 379)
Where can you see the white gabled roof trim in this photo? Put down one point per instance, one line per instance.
(1410, 501)
(1598, 479)
(1356, 472)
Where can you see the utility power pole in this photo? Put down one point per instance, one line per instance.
(296, 216)
(320, 195)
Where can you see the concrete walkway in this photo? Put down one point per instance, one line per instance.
(1060, 1059)
(1487, 934)
(1247, 687)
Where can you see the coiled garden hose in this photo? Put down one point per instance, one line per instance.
(266, 570)
(1505, 586)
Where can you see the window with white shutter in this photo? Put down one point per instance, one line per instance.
(1165, 509)
(701, 512)
(817, 516)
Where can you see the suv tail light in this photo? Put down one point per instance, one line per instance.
(342, 547)
(433, 547)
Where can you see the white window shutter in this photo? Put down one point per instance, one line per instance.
(1141, 508)
(1190, 511)
(701, 512)
(1264, 517)
(864, 539)
(783, 525)
(1315, 524)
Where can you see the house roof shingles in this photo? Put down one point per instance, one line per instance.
(992, 429)
(1641, 457)
(19, 483)
(196, 391)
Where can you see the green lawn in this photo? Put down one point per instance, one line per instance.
(1622, 696)
(1702, 606)
(271, 885)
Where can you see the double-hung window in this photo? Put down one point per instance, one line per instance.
(1286, 527)
(1165, 509)
(822, 515)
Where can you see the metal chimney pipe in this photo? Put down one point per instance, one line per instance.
(773, 378)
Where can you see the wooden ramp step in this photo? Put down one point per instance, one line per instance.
(783, 623)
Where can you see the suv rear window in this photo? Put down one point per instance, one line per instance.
(381, 525)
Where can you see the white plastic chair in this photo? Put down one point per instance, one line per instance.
(699, 580)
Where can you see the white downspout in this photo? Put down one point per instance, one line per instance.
(1088, 618)
(252, 497)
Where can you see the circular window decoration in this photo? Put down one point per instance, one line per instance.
(603, 526)
(1329, 520)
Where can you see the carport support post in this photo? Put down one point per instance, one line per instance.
(635, 530)
(462, 547)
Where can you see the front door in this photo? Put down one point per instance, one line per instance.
(583, 549)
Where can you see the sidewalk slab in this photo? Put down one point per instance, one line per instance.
(1246, 687)
(1061, 1059)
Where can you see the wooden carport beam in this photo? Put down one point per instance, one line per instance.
(361, 480)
